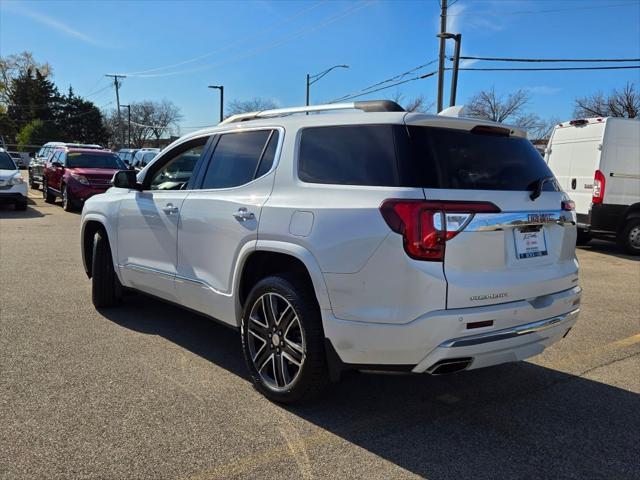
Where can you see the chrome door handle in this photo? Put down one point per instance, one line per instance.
(170, 209)
(242, 215)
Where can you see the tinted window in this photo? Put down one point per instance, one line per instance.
(6, 163)
(93, 160)
(449, 158)
(235, 159)
(268, 156)
(349, 155)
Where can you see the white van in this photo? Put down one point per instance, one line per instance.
(597, 162)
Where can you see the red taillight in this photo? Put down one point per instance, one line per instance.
(568, 205)
(598, 187)
(426, 225)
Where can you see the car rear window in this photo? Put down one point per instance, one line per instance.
(460, 159)
(414, 156)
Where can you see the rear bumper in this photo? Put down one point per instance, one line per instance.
(520, 330)
(606, 218)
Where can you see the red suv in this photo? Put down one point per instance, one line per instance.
(75, 174)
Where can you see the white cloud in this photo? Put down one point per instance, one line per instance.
(459, 18)
(50, 22)
(543, 89)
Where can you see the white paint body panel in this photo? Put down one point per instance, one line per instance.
(378, 305)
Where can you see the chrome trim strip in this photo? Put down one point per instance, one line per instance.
(625, 175)
(510, 332)
(175, 276)
(203, 284)
(488, 222)
(140, 268)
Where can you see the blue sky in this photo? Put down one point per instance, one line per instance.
(265, 48)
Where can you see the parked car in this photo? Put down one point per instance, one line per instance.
(597, 161)
(127, 154)
(13, 188)
(382, 240)
(76, 174)
(143, 157)
(21, 159)
(36, 167)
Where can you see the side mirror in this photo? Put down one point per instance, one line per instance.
(126, 179)
(56, 164)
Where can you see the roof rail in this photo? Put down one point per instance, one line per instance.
(365, 106)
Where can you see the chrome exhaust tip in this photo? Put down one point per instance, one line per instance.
(449, 365)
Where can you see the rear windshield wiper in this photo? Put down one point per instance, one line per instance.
(537, 186)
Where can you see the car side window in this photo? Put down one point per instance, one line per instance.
(176, 166)
(240, 157)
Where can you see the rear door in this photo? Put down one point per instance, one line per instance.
(220, 217)
(524, 251)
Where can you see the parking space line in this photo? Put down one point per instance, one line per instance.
(618, 344)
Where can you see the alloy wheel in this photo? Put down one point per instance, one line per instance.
(276, 341)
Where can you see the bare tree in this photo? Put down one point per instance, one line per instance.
(511, 109)
(149, 120)
(256, 104)
(416, 104)
(619, 103)
(15, 65)
(498, 108)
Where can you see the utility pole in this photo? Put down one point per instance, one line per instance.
(221, 88)
(128, 125)
(308, 85)
(117, 85)
(443, 29)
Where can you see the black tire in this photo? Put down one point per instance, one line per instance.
(68, 202)
(21, 205)
(46, 194)
(583, 237)
(312, 378)
(629, 238)
(106, 290)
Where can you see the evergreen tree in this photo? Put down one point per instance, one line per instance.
(81, 121)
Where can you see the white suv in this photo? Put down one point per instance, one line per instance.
(372, 240)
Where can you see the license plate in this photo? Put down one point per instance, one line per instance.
(530, 243)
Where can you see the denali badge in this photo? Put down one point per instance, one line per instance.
(490, 296)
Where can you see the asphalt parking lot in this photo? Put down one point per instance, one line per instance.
(151, 391)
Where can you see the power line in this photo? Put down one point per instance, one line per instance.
(535, 12)
(550, 60)
(391, 79)
(231, 45)
(333, 18)
(548, 69)
(356, 95)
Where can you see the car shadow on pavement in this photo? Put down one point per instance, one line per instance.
(8, 211)
(511, 421)
(607, 248)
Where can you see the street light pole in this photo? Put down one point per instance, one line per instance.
(457, 37)
(311, 79)
(221, 88)
(128, 124)
(454, 76)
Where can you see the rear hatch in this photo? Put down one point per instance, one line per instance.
(510, 234)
